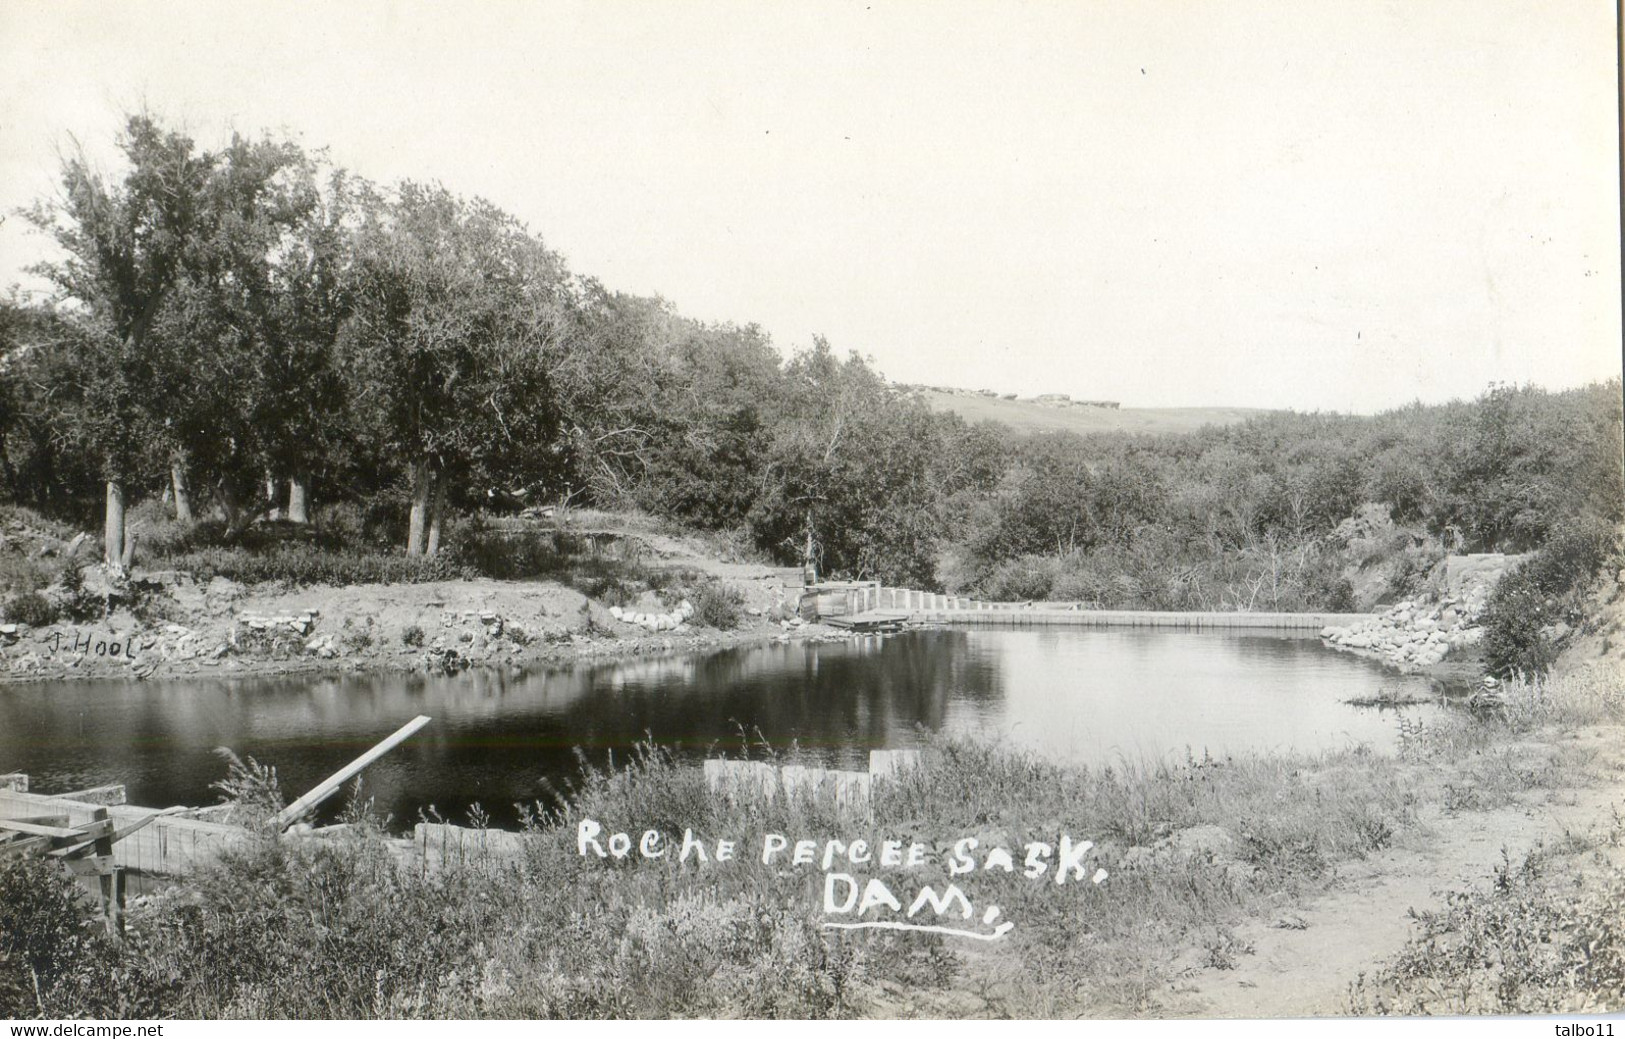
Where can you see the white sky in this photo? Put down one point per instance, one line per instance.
(1319, 204)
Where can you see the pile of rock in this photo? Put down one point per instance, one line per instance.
(1422, 631)
(676, 620)
(1413, 634)
(299, 623)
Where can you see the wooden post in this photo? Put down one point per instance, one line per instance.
(329, 786)
(106, 878)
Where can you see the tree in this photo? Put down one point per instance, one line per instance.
(221, 343)
(126, 243)
(457, 311)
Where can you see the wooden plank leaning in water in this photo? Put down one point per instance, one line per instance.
(329, 786)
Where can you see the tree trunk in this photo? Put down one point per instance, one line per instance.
(437, 514)
(273, 511)
(114, 530)
(181, 488)
(299, 499)
(237, 512)
(422, 486)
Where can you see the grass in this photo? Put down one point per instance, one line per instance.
(353, 926)
(1386, 698)
(1546, 936)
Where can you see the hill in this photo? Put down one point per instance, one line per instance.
(1031, 416)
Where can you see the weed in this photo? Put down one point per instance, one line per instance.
(32, 609)
(717, 605)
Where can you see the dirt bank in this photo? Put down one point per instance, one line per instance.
(223, 628)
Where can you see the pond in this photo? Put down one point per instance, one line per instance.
(1092, 696)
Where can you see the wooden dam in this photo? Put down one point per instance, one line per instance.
(869, 606)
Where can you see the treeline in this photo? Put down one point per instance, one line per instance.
(251, 330)
(1262, 514)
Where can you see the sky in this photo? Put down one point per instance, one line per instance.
(1317, 204)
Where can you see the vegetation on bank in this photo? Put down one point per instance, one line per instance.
(351, 927)
(249, 330)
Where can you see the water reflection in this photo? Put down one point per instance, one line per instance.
(499, 739)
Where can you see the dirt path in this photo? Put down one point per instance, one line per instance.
(1303, 962)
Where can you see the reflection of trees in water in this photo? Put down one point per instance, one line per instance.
(497, 738)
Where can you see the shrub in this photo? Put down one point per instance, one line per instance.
(32, 609)
(78, 602)
(1545, 589)
(1514, 645)
(18, 573)
(412, 635)
(51, 964)
(303, 565)
(1027, 577)
(717, 605)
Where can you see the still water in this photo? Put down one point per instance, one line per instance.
(1091, 696)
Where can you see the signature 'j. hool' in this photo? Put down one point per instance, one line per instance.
(86, 644)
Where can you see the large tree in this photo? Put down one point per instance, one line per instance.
(126, 240)
(457, 315)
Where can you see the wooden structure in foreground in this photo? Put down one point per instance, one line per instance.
(160, 841)
(97, 837)
(95, 834)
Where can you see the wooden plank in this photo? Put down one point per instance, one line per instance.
(330, 786)
(38, 830)
(43, 819)
(25, 846)
(167, 845)
(112, 794)
(120, 834)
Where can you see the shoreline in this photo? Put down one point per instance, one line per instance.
(230, 631)
(362, 630)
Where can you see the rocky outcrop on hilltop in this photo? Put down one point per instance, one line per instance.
(1444, 618)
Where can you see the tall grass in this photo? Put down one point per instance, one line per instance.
(356, 925)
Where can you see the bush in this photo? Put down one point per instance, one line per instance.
(717, 605)
(1544, 590)
(1514, 645)
(1017, 580)
(78, 602)
(412, 635)
(51, 963)
(305, 565)
(32, 609)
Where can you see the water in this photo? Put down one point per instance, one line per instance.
(1092, 696)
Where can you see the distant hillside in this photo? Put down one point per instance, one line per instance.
(1032, 416)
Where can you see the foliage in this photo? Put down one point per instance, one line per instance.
(50, 957)
(236, 317)
(717, 605)
(1544, 591)
(299, 566)
(1546, 938)
(30, 608)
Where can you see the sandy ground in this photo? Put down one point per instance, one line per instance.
(1303, 962)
